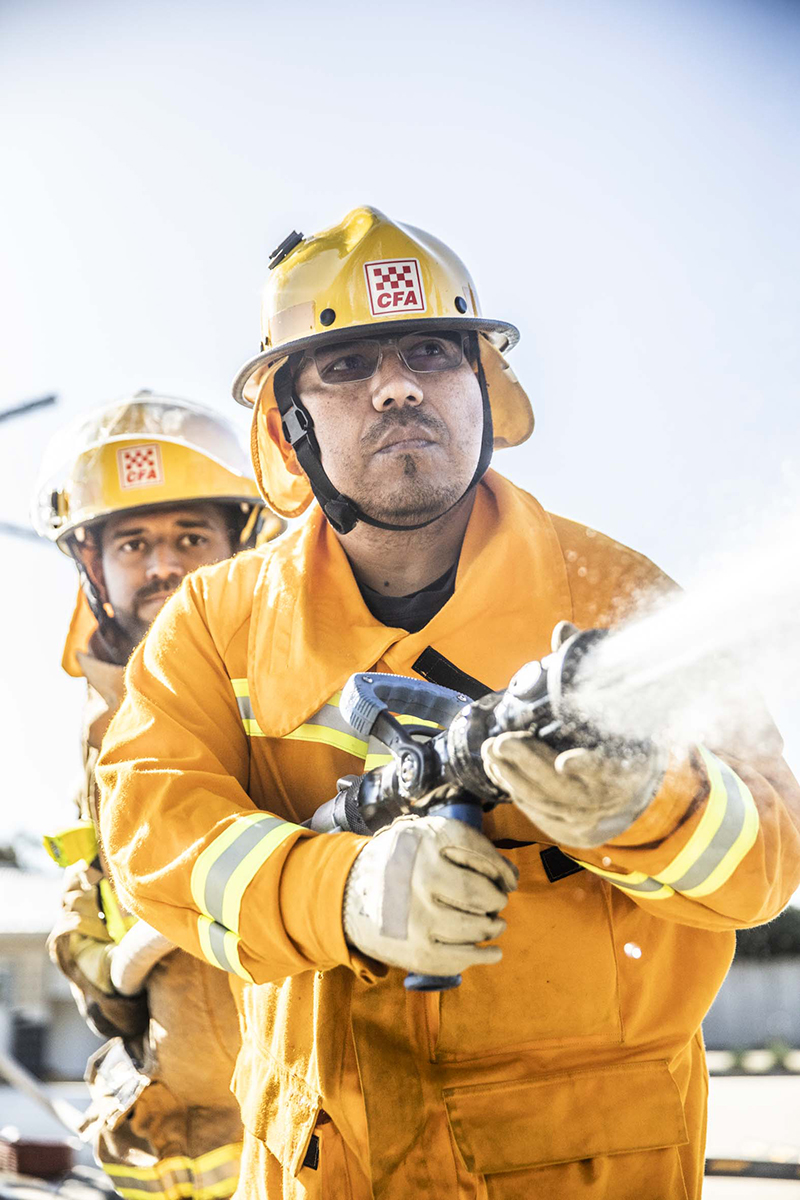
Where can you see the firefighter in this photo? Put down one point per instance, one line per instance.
(139, 494)
(564, 1064)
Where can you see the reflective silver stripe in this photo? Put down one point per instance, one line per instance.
(647, 885)
(216, 938)
(330, 717)
(165, 1178)
(180, 1176)
(245, 708)
(727, 833)
(219, 873)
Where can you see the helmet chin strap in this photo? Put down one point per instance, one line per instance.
(342, 512)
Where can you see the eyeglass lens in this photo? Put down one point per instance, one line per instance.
(348, 362)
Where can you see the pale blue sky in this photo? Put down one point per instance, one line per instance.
(621, 178)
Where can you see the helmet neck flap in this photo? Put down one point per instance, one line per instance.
(341, 511)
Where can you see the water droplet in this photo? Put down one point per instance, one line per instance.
(606, 861)
(632, 950)
(582, 571)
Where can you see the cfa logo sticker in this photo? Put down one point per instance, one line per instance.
(394, 286)
(140, 466)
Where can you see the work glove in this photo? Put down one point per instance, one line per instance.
(93, 960)
(424, 892)
(578, 797)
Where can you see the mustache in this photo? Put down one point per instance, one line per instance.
(402, 419)
(156, 587)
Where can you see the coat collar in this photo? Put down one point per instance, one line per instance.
(311, 629)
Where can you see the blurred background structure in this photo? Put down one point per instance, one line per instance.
(621, 177)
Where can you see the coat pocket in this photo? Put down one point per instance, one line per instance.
(276, 1107)
(565, 1117)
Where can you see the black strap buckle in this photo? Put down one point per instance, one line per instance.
(312, 1153)
(296, 425)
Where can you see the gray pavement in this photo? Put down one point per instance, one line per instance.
(754, 1117)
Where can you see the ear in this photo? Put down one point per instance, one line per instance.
(275, 431)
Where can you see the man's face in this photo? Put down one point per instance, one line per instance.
(403, 444)
(144, 557)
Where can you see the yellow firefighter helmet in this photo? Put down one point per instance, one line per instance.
(366, 276)
(145, 451)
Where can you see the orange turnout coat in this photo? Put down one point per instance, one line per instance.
(572, 1068)
(163, 1123)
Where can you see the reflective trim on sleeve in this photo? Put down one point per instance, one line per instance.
(220, 877)
(211, 1176)
(221, 947)
(725, 833)
(634, 882)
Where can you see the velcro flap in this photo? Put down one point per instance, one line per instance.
(511, 1126)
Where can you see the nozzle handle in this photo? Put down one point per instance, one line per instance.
(471, 814)
(369, 694)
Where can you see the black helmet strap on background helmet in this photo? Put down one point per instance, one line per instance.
(342, 512)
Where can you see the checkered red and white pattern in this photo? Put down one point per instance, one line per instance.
(394, 285)
(140, 466)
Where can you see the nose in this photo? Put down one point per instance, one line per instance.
(164, 561)
(393, 384)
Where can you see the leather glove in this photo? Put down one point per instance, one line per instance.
(93, 960)
(579, 797)
(424, 892)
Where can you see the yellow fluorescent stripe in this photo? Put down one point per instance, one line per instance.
(744, 843)
(230, 944)
(159, 1173)
(240, 687)
(207, 858)
(376, 760)
(232, 950)
(215, 1158)
(619, 880)
(252, 727)
(177, 1162)
(662, 893)
(174, 1192)
(614, 876)
(707, 826)
(247, 869)
(329, 737)
(203, 933)
(225, 1187)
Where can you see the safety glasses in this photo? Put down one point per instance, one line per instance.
(421, 352)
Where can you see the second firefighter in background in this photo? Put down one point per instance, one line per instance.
(139, 494)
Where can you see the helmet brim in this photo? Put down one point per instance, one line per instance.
(501, 334)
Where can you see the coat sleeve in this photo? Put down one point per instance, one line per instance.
(719, 845)
(189, 851)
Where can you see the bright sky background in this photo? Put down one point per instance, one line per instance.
(620, 177)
